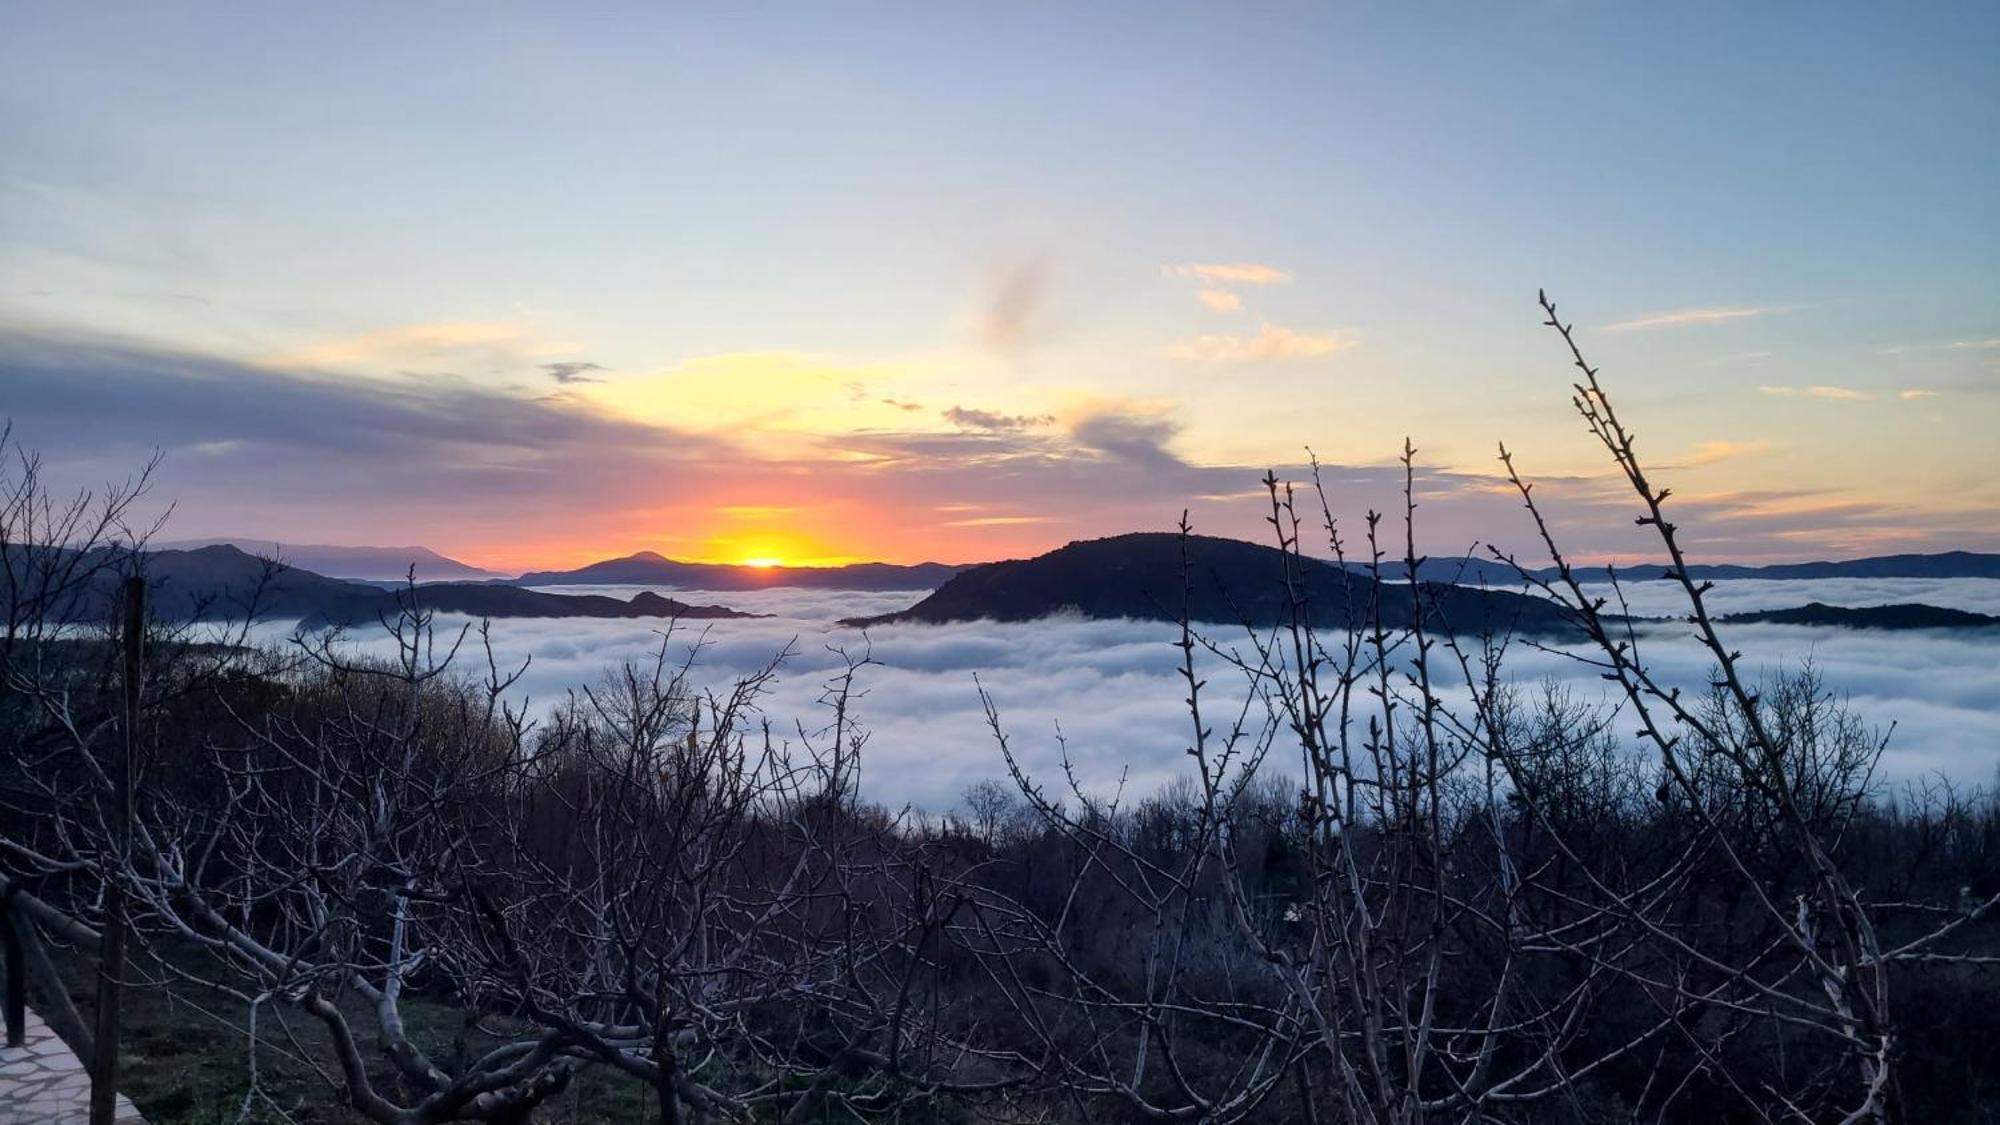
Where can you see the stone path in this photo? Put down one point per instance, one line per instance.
(43, 1083)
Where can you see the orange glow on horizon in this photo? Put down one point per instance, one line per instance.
(828, 532)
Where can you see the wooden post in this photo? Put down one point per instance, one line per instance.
(57, 1008)
(17, 978)
(111, 967)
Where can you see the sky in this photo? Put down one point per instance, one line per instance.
(535, 285)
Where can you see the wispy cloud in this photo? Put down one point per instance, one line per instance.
(1221, 300)
(997, 521)
(1682, 318)
(573, 372)
(1843, 393)
(1709, 452)
(1016, 300)
(1916, 393)
(1954, 346)
(1272, 342)
(1231, 273)
(992, 421)
(410, 343)
(1745, 359)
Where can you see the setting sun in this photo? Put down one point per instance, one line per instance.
(763, 563)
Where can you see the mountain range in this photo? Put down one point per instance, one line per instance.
(1139, 575)
(380, 564)
(222, 581)
(648, 568)
(1945, 564)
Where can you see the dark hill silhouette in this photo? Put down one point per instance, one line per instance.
(223, 581)
(1905, 616)
(652, 569)
(1140, 576)
(482, 600)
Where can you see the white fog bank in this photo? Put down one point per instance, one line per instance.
(1113, 688)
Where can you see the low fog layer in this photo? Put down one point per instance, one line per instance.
(1112, 685)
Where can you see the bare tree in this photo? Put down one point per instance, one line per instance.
(1481, 879)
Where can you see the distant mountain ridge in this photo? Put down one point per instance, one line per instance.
(1136, 575)
(1943, 564)
(648, 568)
(373, 563)
(221, 582)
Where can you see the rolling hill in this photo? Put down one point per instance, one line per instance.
(1140, 576)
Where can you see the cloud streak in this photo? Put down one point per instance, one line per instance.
(1683, 318)
(1839, 394)
(1710, 452)
(1953, 346)
(1272, 342)
(490, 344)
(1231, 273)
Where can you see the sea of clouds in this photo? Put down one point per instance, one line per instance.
(1113, 690)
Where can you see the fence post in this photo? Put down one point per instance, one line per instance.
(17, 976)
(111, 968)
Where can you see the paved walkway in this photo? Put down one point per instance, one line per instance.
(42, 1083)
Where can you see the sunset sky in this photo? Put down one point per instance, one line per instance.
(535, 285)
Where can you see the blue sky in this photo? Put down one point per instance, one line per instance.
(793, 240)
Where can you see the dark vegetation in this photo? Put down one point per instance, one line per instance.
(1365, 902)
